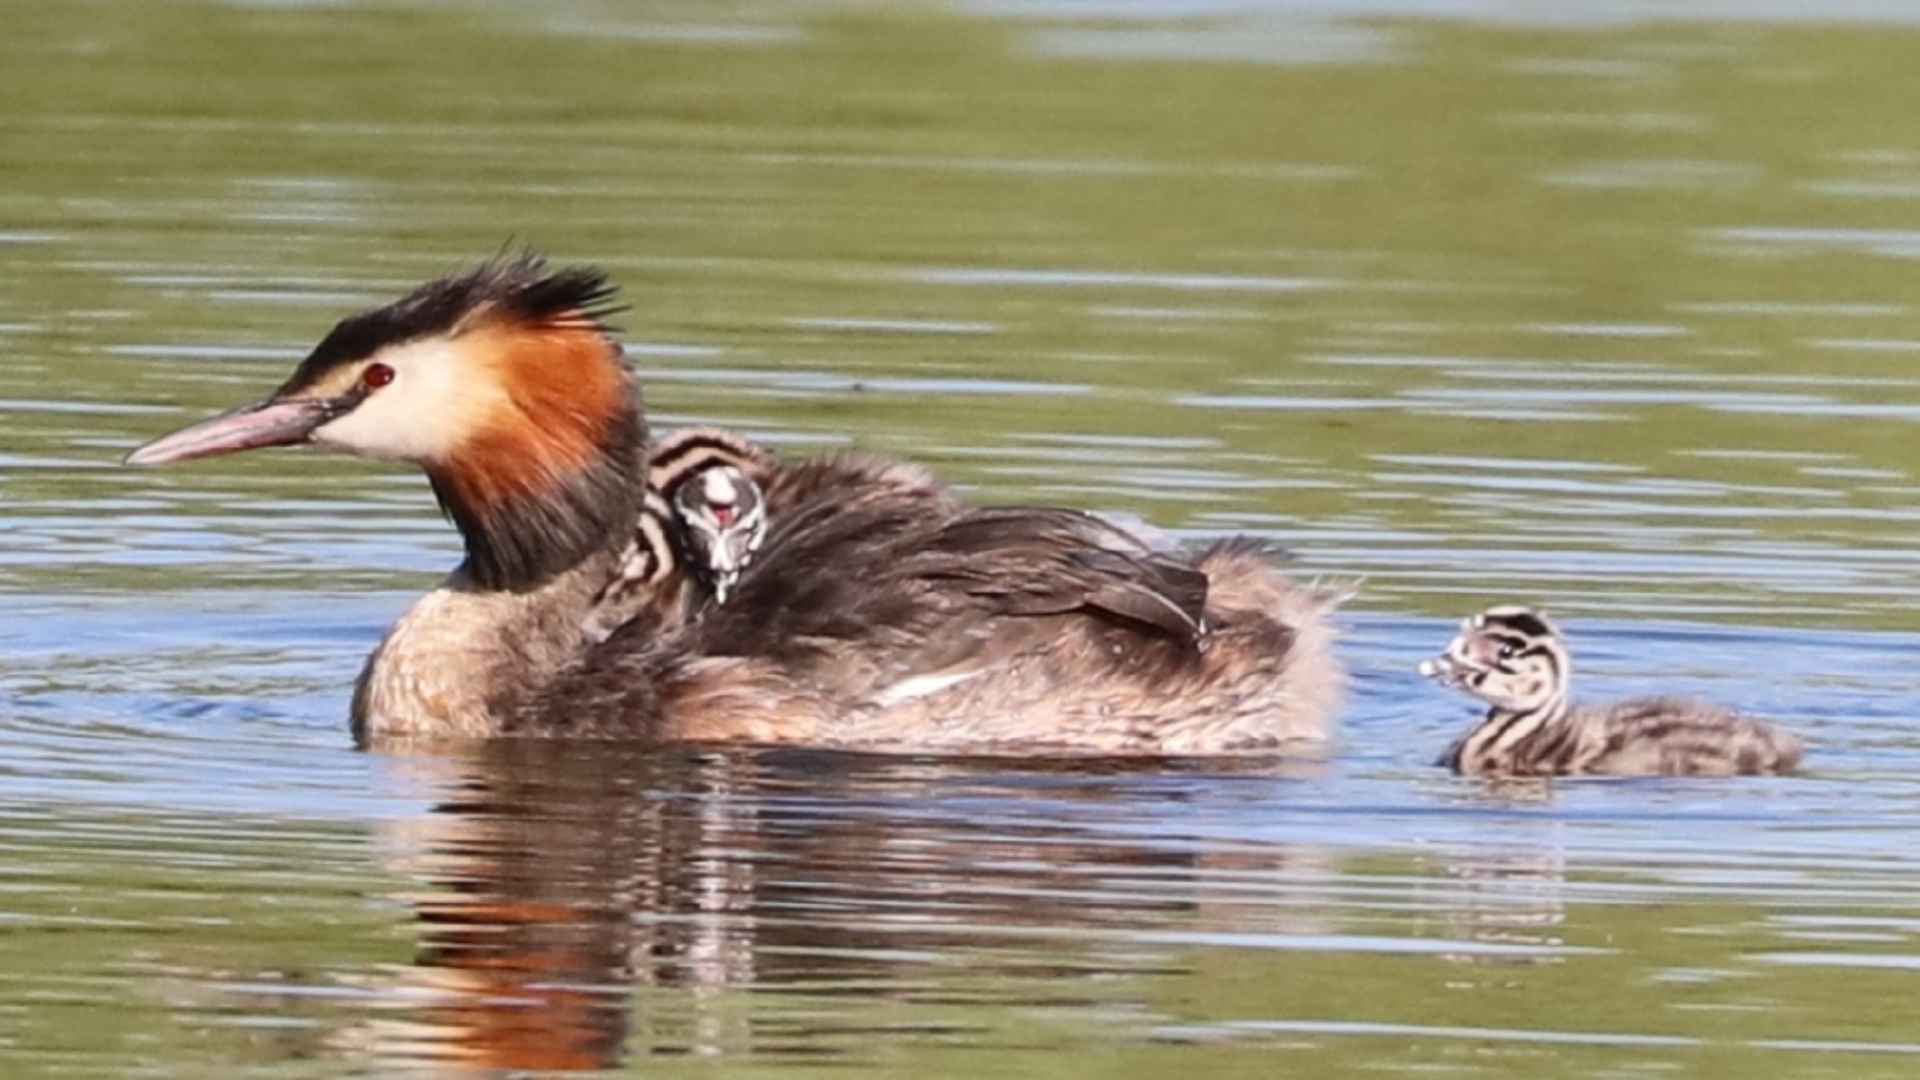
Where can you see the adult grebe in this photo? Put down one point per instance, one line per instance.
(880, 611)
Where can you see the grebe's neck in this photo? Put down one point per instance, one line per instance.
(1500, 739)
(527, 514)
(546, 481)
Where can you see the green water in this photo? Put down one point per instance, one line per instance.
(1565, 306)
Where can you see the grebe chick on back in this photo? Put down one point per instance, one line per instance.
(1516, 661)
(881, 611)
(709, 491)
(711, 478)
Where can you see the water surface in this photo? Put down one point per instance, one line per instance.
(1553, 303)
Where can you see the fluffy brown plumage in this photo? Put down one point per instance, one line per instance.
(939, 625)
(1515, 660)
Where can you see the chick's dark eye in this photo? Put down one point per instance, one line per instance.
(1509, 650)
(376, 376)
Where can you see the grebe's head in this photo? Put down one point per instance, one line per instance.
(725, 518)
(1509, 656)
(711, 478)
(504, 383)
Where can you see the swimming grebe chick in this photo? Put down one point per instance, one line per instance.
(880, 612)
(1516, 661)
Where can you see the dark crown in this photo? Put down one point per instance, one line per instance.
(1522, 622)
(518, 289)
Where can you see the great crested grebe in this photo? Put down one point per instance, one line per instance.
(1515, 660)
(880, 612)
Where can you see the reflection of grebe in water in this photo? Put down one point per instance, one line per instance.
(555, 884)
(581, 903)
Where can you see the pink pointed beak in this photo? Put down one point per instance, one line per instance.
(273, 422)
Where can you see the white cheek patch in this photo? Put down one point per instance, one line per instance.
(438, 398)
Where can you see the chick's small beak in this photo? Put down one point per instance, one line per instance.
(1447, 669)
(273, 422)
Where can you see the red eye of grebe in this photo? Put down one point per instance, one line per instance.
(376, 376)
